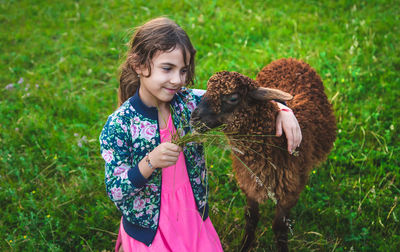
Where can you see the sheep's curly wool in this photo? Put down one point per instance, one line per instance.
(224, 83)
(278, 171)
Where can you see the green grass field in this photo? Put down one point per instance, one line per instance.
(58, 83)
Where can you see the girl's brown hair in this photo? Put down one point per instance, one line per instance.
(159, 34)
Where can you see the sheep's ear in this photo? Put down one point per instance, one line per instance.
(263, 93)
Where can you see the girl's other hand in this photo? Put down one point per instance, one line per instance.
(164, 155)
(288, 121)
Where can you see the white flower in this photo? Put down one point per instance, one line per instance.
(148, 130)
(107, 155)
(116, 193)
(138, 204)
(119, 142)
(134, 131)
(121, 169)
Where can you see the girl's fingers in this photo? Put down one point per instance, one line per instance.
(165, 161)
(289, 137)
(292, 130)
(294, 141)
(170, 158)
(173, 154)
(278, 127)
(173, 151)
(173, 147)
(299, 136)
(165, 155)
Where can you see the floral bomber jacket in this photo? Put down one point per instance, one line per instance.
(128, 135)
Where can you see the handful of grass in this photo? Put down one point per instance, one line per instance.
(215, 137)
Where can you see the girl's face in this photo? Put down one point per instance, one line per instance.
(168, 75)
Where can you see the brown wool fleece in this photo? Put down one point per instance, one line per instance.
(271, 165)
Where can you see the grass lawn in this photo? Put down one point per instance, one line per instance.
(59, 80)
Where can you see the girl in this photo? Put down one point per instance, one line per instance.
(161, 189)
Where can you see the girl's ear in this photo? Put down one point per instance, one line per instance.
(263, 93)
(133, 64)
(142, 70)
(138, 70)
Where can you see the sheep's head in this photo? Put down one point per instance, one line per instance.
(229, 93)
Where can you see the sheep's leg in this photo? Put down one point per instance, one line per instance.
(280, 229)
(251, 216)
(281, 224)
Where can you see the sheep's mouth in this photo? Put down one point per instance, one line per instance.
(203, 122)
(204, 118)
(200, 126)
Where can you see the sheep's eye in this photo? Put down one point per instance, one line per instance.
(232, 99)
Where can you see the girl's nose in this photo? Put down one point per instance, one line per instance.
(177, 78)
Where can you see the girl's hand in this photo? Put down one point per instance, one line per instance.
(164, 155)
(287, 120)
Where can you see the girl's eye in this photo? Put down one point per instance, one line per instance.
(183, 71)
(166, 68)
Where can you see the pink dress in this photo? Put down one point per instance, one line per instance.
(181, 227)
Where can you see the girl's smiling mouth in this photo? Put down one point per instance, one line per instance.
(172, 91)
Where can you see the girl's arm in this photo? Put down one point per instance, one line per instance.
(122, 178)
(287, 121)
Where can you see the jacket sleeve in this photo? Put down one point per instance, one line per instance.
(198, 92)
(123, 180)
(193, 98)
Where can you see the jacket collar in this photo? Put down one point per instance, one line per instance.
(139, 106)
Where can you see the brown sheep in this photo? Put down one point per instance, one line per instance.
(262, 166)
